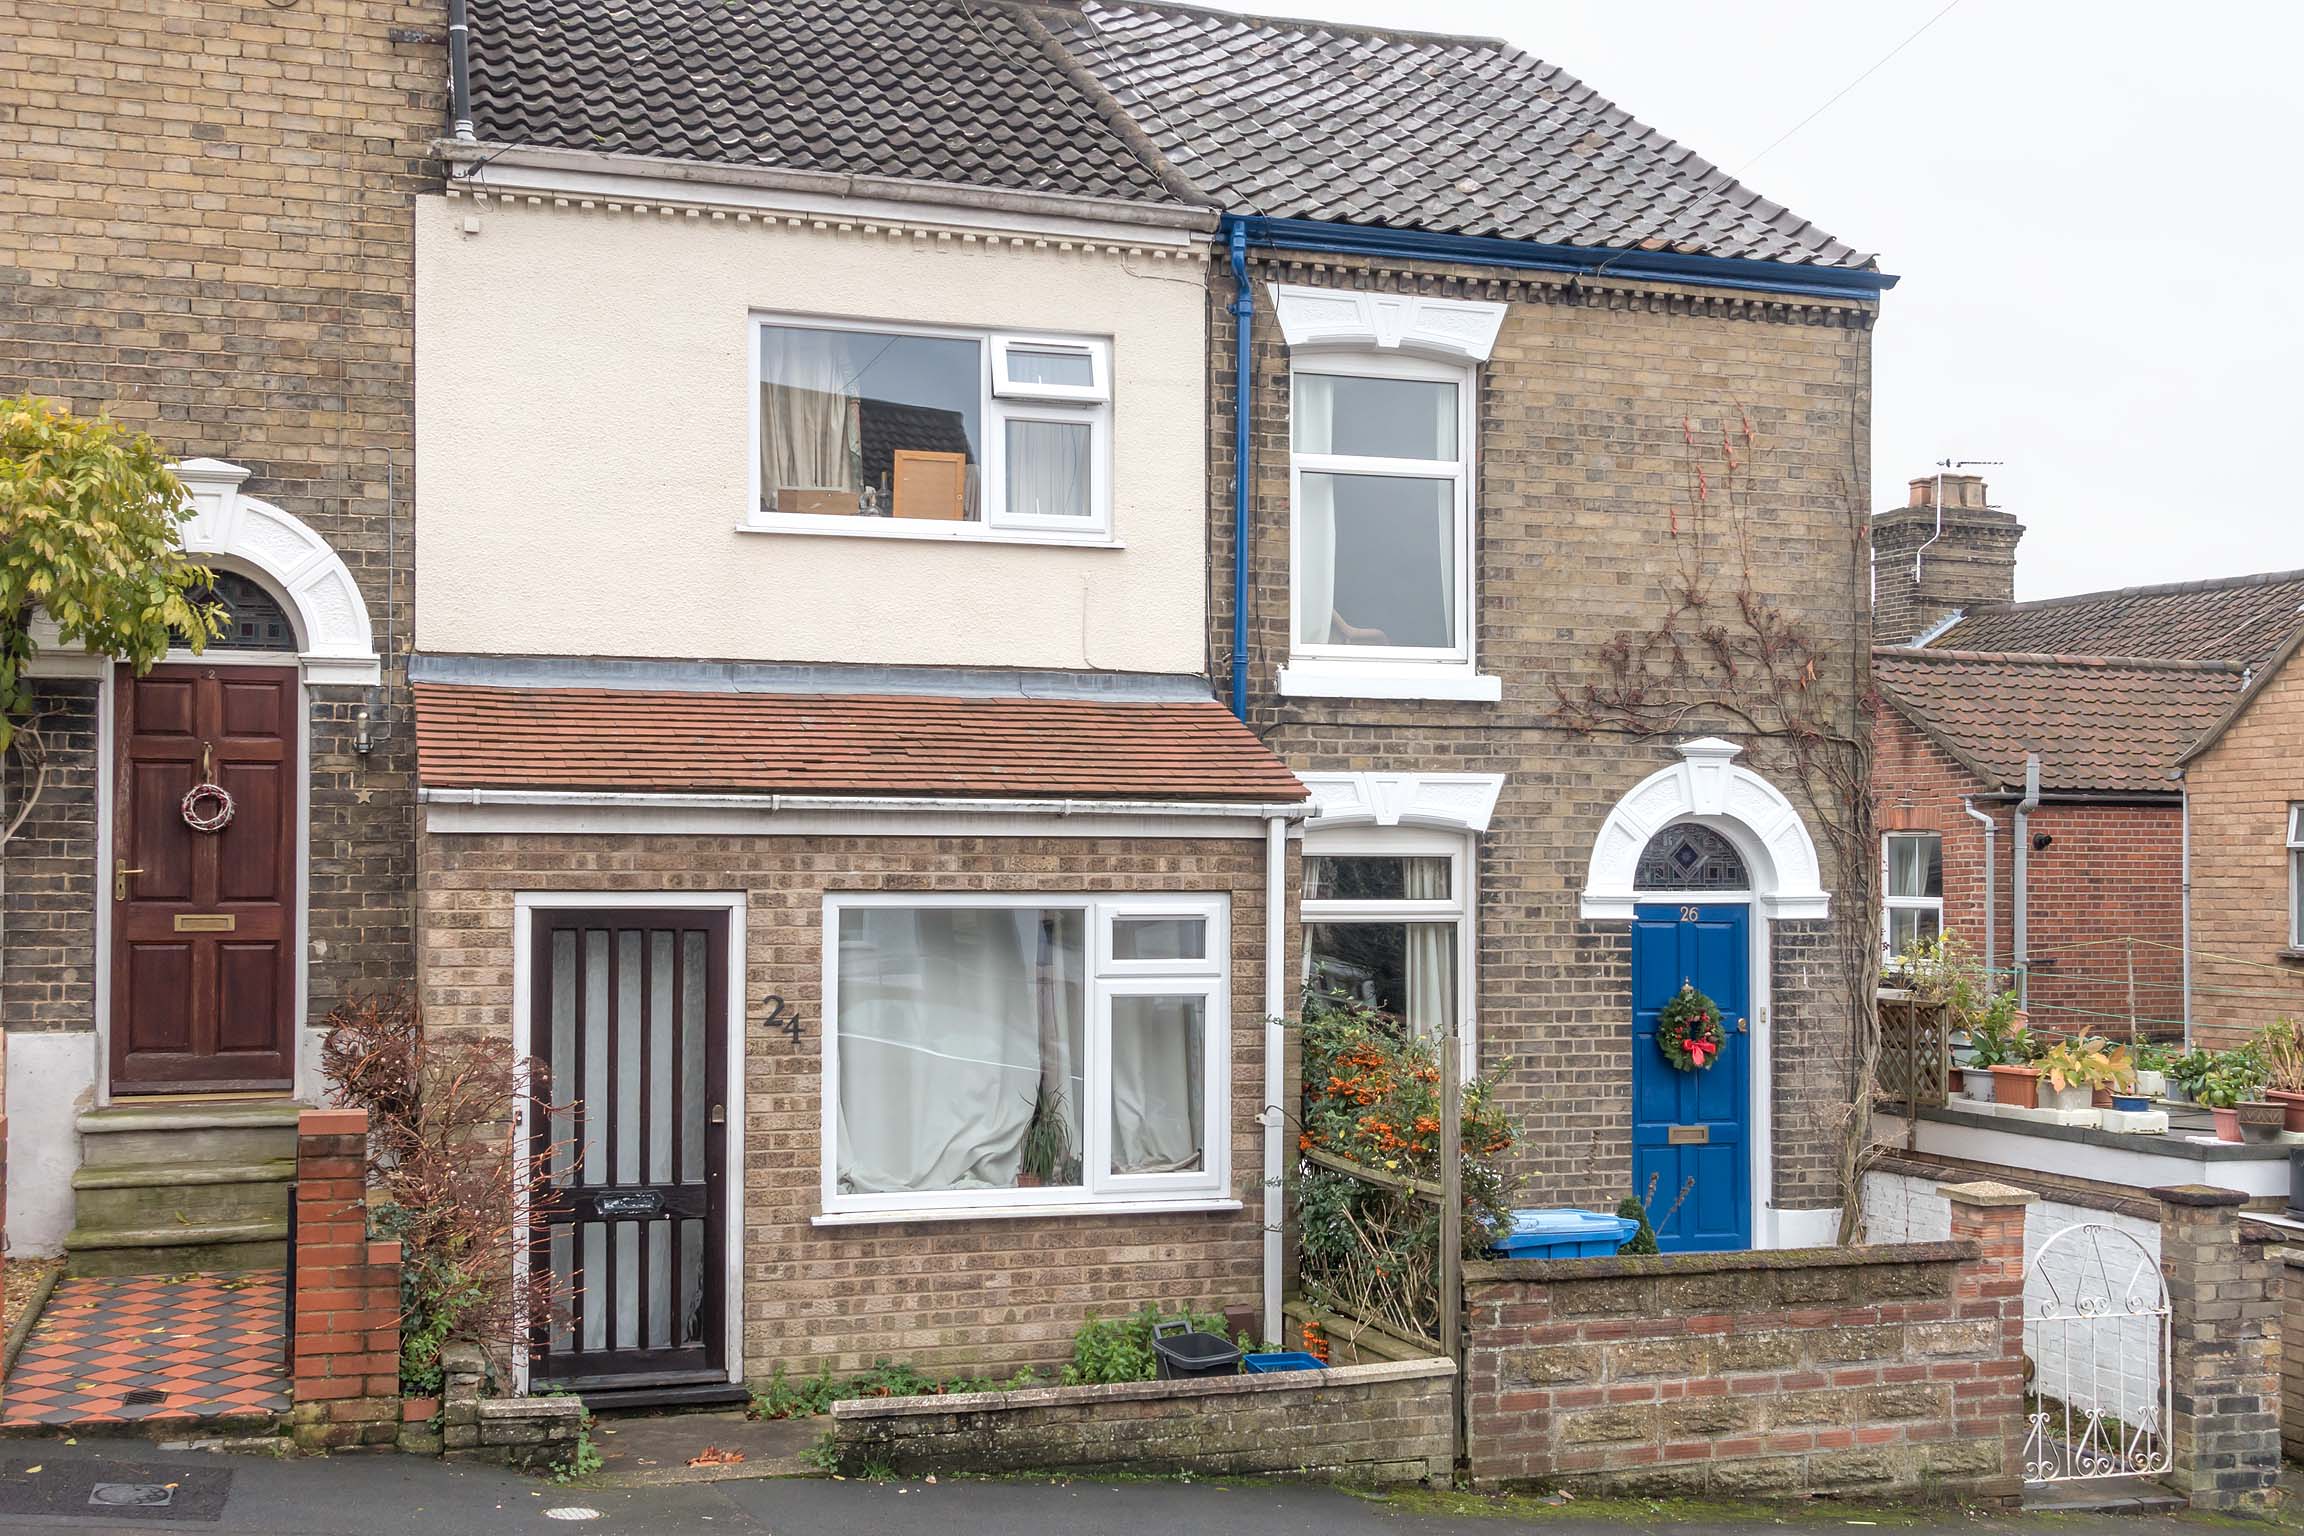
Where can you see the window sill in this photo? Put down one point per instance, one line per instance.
(923, 530)
(1411, 680)
(2292, 956)
(1206, 1203)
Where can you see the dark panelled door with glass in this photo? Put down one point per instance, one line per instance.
(629, 1018)
(203, 922)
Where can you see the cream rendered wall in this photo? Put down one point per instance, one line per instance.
(584, 394)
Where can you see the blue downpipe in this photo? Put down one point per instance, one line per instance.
(1243, 321)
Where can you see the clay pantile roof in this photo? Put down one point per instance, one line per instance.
(2109, 726)
(840, 744)
(1413, 130)
(930, 90)
(2238, 618)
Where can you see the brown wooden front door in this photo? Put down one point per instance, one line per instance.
(203, 923)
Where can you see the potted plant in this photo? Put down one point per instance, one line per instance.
(2070, 1071)
(1047, 1152)
(2151, 1061)
(2187, 1073)
(2016, 1081)
(2219, 1092)
(2279, 1047)
(1988, 1047)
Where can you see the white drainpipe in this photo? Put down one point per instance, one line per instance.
(1275, 1116)
(2024, 810)
(1991, 884)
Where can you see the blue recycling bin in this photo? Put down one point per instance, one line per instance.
(1563, 1232)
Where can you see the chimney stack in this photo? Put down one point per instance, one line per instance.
(1931, 562)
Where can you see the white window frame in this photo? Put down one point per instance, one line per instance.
(1459, 908)
(1389, 671)
(1891, 903)
(998, 402)
(1209, 978)
(2296, 876)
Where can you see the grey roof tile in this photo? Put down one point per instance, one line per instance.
(1403, 121)
(2236, 618)
(931, 90)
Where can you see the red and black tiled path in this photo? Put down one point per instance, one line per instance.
(123, 1350)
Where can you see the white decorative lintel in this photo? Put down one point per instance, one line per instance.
(1458, 802)
(1707, 785)
(1344, 319)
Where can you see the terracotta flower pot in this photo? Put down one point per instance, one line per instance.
(2227, 1123)
(2019, 1086)
(2101, 1098)
(2293, 1106)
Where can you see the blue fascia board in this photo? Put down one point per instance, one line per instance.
(1589, 261)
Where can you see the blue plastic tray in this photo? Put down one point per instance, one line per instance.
(1280, 1360)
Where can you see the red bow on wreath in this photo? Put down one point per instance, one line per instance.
(1700, 1050)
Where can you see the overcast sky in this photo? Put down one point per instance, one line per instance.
(2092, 205)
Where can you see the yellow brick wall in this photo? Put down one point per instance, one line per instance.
(949, 1296)
(2243, 972)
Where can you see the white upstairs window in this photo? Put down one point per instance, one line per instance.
(926, 432)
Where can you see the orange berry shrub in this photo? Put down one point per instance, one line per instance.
(1368, 1245)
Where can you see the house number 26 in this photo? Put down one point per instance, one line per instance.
(1689, 914)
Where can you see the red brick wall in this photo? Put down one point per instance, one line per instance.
(1874, 1369)
(2112, 875)
(345, 1358)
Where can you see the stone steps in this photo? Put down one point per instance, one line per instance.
(171, 1188)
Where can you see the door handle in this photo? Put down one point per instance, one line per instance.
(719, 1115)
(1740, 1026)
(120, 874)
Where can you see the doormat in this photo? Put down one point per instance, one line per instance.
(114, 1491)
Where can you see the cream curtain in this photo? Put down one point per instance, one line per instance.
(1158, 1083)
(812, 435)
(1431, 952)
(1048, 468)
(1316, 558)
(950, 1022)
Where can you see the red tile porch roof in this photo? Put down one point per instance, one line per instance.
(1002, 747)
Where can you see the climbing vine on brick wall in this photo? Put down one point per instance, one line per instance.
(1725, 655)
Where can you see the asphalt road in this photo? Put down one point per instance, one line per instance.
(396, 1495)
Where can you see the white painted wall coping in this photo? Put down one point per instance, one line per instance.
(1372, 1374)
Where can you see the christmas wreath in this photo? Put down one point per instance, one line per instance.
(1688, 1031)
(208, 807)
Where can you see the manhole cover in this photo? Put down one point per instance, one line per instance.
(118, 1491)
(131, 1495)
(571, 1512)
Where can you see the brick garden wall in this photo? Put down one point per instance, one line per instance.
(1582, 461)
(49, 905)
(208, 238)
(344, 1358)
(2113, 873)
(1381, 1423)
(1874, 1369)
(978, 1297)
(2245, 973)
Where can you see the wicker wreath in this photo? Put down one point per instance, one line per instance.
(1688, 1030)
(208, 807)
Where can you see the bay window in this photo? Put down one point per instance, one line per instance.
(1915, 889)
(924, 432)
(1023, 1051)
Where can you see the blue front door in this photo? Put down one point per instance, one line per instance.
(1691, 1131)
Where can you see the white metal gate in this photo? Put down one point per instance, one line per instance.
(2096, 1358)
